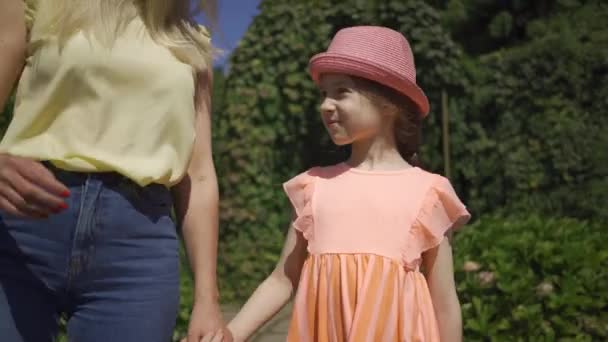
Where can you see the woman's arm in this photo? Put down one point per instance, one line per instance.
(439, 272)
(196, 204)
(12, 45)
(274, 292)
(27, 188)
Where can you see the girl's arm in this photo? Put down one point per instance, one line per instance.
(274, 292)
(439, 272)
(12, 45)
(196, 200)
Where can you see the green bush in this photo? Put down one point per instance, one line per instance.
(533, 279)
(186, 292)
(536, 120)
(483, 26)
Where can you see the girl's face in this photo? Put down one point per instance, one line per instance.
(347, 114)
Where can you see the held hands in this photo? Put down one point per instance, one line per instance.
(219, 336)
(207, 325)
(230, 333)
(28, 189)
(223, 335)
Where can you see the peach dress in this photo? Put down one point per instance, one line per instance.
(366, 231)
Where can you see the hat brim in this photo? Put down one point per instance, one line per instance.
(328, 62)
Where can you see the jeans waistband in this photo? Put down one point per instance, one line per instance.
(77, 177)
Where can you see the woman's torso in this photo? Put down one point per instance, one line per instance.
(128, 108)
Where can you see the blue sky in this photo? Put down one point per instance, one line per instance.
(234, 18)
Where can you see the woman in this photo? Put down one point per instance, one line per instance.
(111, 127)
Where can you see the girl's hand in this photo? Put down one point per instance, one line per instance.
(217, 336)
(206, 324)
(28, 189)
(236, 337)
(274, 292)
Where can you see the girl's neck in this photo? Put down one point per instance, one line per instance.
(376, 153)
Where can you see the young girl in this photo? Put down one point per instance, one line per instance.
(365, 229)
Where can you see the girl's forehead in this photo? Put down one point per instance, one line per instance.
(336, 80)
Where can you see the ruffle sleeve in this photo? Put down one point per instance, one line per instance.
(300, 190)
(440, 212)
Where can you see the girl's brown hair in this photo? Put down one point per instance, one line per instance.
(408, 122)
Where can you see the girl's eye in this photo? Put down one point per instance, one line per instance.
(342, 90)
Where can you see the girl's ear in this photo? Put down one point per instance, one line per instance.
(389, 110)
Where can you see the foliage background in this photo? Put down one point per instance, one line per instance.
(270, 123)
(528, 92)
(527, 98)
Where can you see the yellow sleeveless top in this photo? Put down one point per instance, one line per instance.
(88, 108)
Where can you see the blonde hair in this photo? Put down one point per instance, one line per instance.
(169, 23)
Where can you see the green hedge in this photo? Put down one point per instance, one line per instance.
(526, 122)
(533, 279)
(186, 292)
(536, 121)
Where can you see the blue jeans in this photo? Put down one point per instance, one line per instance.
(109, 264)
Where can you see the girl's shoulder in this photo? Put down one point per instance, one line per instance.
(440, 207)
(414, 176)
(300, 188)
(430, 183)
(429, 178)
(320, 171)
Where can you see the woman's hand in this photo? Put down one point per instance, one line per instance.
(28, 189)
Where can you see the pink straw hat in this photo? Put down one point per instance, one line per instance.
(375, 53)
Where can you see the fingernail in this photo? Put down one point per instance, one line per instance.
(61, 207)
(65, 193)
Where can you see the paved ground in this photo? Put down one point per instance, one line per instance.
(273, 331)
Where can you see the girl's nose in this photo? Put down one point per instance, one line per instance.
(327, 106)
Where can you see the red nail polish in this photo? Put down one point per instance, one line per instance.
(61, 207)
(65, 193)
